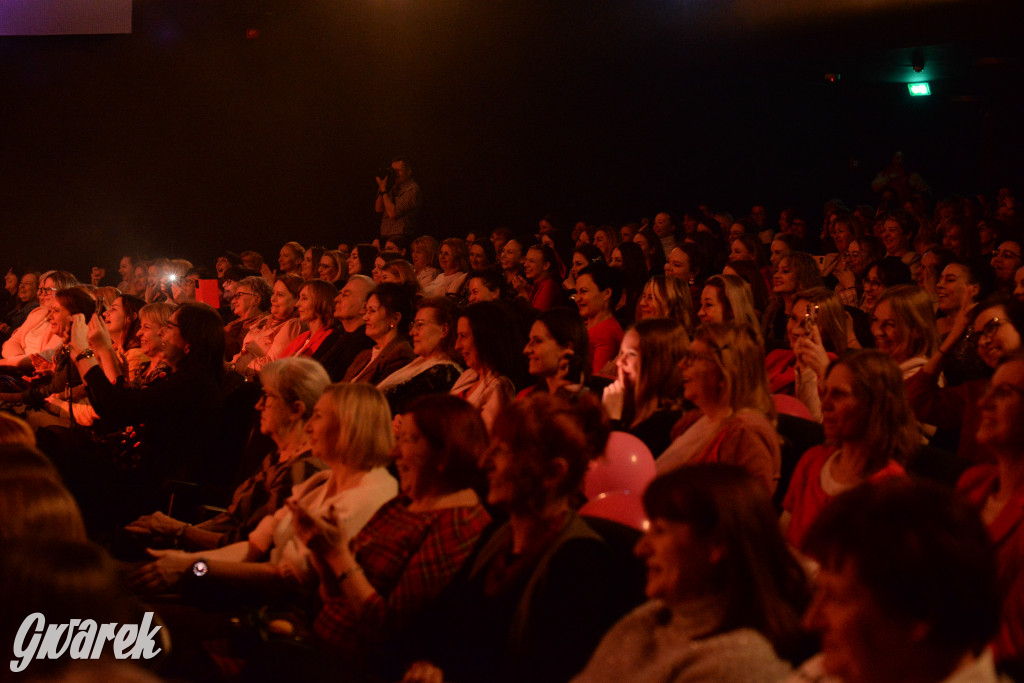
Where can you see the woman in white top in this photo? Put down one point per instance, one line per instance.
(350, 430)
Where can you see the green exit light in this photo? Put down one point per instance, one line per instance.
(919, 89)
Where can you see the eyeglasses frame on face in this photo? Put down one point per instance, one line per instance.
(419, 324)
(238, 294)
(992, 327)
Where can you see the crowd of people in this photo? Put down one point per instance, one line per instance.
(379, 450)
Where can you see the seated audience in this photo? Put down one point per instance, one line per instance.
(378, 580)
(350, 431)
(291, 388)
(536, 598)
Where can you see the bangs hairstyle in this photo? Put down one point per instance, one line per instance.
(921, 553)
(674, 298)
(764, 585)
(912, 309)
(296, 379)
(663, 342)
(542, 428)
(739, 355)
(832, 322)
(457, 437)
(322, 294)
(365, 434)
(879, 385)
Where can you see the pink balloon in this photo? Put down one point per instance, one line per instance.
(623, 507)
(627, 465)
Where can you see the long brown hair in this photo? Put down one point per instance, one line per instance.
(663, 342)
(892, 432)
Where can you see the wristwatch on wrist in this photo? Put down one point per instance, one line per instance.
(200, 568)
(88, 353)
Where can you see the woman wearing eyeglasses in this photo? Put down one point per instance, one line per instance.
(999, 324)
(269, 336)
(724, 376)
(249, 303)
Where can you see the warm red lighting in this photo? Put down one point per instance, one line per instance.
(252, 33)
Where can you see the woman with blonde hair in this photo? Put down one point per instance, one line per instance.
(903, 324)
(727, 299)
(424, 259)
(724, 377)
(333, 268)
(401, 272)
(350, 430)
(666, 297)
(645, 397)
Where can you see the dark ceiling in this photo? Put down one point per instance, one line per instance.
(192, 135)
